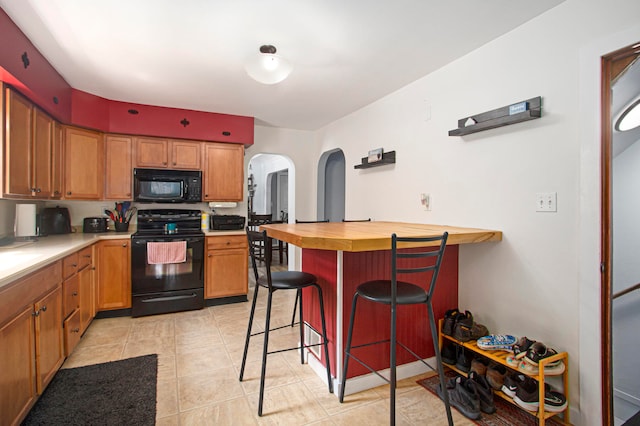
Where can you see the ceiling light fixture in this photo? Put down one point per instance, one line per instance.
(268, 68)
(630, 118)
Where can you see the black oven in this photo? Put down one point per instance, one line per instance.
(167, 262)
(167, 186)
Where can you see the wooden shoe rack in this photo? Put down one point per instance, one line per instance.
(499, 357)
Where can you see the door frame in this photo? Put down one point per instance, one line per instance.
(612, 64)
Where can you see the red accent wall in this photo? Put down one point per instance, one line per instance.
(373, 320)
(114, 117)
(41, 83)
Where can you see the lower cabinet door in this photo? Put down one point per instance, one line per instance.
(72, 332)
(226, 273)
(17, 358)
(49, 351)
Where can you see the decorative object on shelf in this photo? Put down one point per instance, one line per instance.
(375, 155)
(267, 67)
(510, 114)
(385, 158)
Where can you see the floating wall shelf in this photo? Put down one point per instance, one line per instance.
(511, 114)
(387, 158)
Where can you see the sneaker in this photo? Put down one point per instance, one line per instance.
(463, 362)
(527, 394)
(512, 361)
(511, 383)
(485, 393)
(449, 321)
(496, 341)
(496, 374)
(551, 369)
(479, 366)
(521, 347)
(448, 354)
(463, 395)
(538, 351)
(554, 402)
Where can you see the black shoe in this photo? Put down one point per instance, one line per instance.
(484, 392)
(511, 384)
(449, 321)
(463, 362)
(463, 396)
(448, 354)
(527, 394)
(554, 402)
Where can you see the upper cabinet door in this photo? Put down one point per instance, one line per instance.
(42, 148)
(152, 153)
(185, 155)
(223, 172)
(83, 164)
(17, 154)
(118, 168)
(56, 160)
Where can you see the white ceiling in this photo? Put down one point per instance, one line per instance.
(190, 53)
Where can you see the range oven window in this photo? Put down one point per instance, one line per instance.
(157, 271)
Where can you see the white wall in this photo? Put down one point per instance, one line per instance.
(541, 280)
(261, 166)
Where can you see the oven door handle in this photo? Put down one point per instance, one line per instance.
(169, 298)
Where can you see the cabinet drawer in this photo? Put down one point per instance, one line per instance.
(85, 257)
(70, 296)
(71, 332)
(16, 296)
(226, 242)
(69, 265)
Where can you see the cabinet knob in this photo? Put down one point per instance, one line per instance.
(38, 190)
(44, 308)
(56, 192)
(75, 293)
(75, 265)
(86, 255)
(164, 163)
(75, 330)
(206, 195)
(128, 194)
(68, 192)
(208, 255)
(124, 245)
(36, 313)
(174, 163)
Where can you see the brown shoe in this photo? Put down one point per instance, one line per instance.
(495, 375)
(479, 366)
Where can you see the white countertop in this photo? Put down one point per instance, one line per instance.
(18, 259)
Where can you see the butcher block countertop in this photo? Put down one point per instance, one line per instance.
(369, 236)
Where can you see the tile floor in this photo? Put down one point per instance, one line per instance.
(199, 356)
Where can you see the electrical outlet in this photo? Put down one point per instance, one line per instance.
(546, 202)
(425, 200)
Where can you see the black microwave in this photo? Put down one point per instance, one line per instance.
(167, 186)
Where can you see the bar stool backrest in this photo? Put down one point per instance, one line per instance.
(397, 253)
(258, 243)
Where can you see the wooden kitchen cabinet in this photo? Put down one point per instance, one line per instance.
(83, 164)
(78, 290)
(114, 274)
(28, 148)
(223, 172)
(118, 152)
(226, 266)
(31, 344)
(160, 153)
(57, 161)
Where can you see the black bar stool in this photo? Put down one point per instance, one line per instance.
(394, 292)
(284, 280)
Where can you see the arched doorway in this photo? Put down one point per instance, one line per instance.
(331, 186)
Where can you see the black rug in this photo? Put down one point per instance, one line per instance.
(113, 393)
(507, 414)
